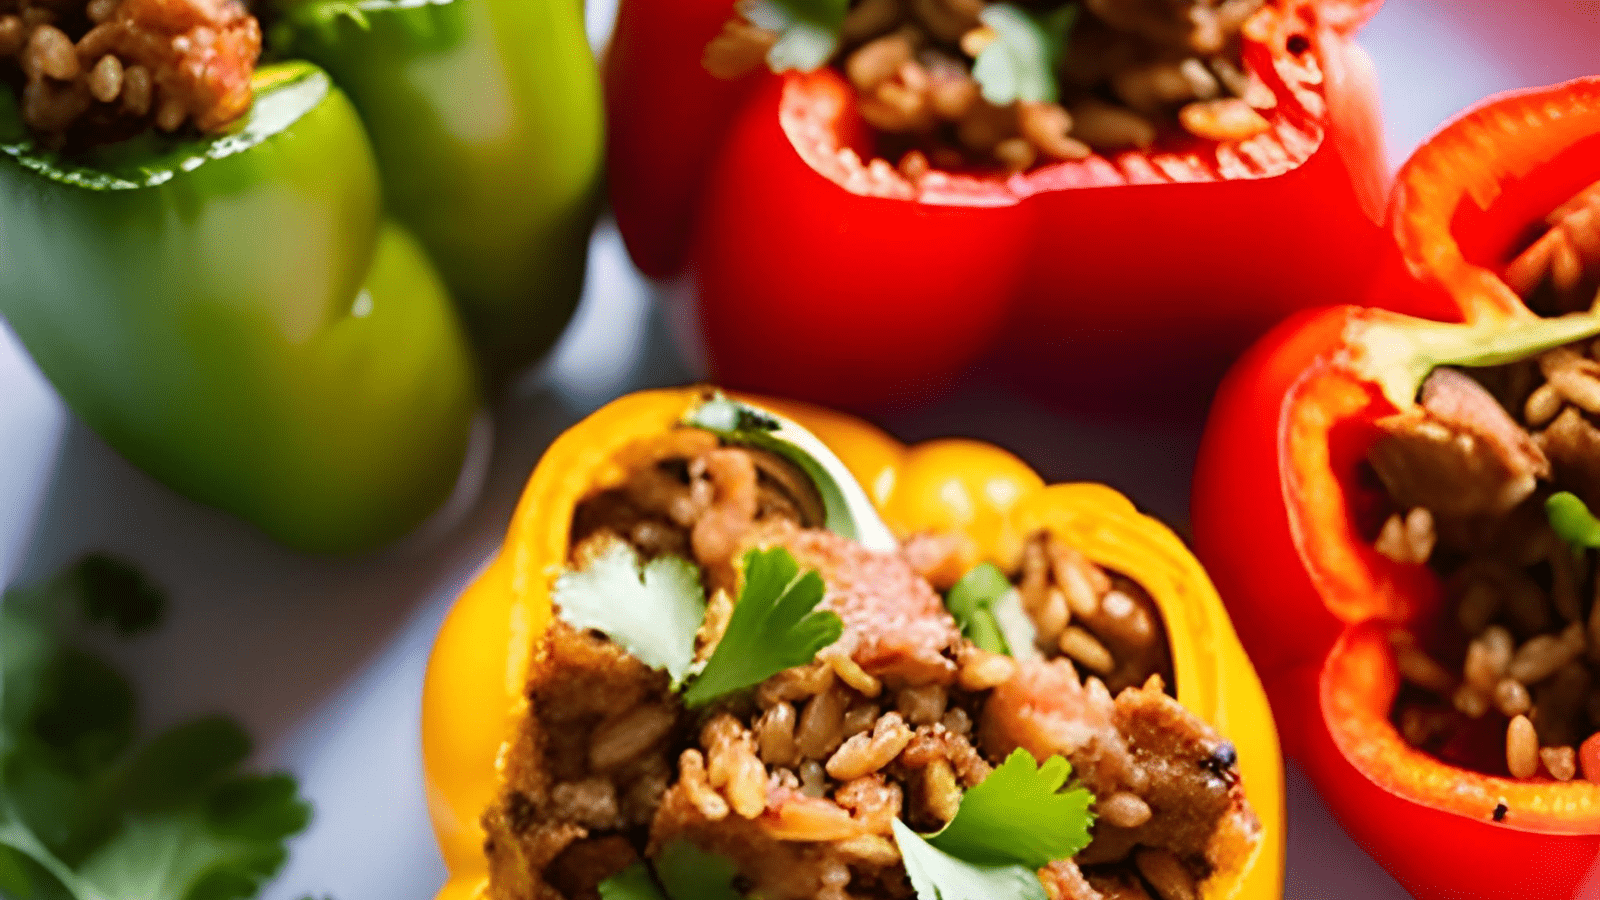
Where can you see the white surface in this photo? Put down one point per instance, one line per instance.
(323, 661)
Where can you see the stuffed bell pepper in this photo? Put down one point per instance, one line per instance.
(276, 280)
(1399, 513)
(715, 659)
(869, 195)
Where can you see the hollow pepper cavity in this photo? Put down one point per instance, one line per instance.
(1286, 510)
(474, 693)
(820, 271)
(291, 317)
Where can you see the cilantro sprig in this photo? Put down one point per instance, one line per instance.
(807, 30)
(1570, 518)
(682, 872)
(971, 602)
(86, 811)
(1011, 824)
(656, 609)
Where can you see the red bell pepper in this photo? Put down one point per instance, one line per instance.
(807, 283)
(1283, 517)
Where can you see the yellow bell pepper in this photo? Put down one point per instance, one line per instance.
(473, 695)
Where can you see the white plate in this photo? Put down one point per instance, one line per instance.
(323, 661)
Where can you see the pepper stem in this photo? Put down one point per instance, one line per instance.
(849, 512)
(1400, 355)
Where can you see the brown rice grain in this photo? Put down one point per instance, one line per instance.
(1048, 126)
(1420, 535)
(1560, 762)
(1542, 406)
(1229, 119)
(101, 10)
(1107, 127)
(850, 671)
(866, 753)
(1522, 748)
(1391, 542)
(1052, 616)
(874, 850)
(813, 779)
(1478, 605)
(136, 90)
(821, 725)
(50, 54)
(914, 165)
(737, 50)
(976, 40)
(940, 791)
(1470, 701)
(1086, 649)
(868, 19)
(629, 735)
(879, 59)
(1015, 154)
(859, 718)
(1418, 667)
(1540, 656)
(170, 114)
(11, 35)
(956, 721)
(1202, 83)
(922, 705)
(1166, 873)
(1578, 387)
(591, 802)
(1124, 809)
(1511, 697)
(953, 98)
(775, 736)
(692, 775)
(982, 670)
(1487, 658)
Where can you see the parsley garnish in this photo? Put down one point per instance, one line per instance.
(971, 601)
(685, 872)
(653, 610)
(1013, 823)
(1571, 519)
(1021, 62)
(88, 814)
(775, 626)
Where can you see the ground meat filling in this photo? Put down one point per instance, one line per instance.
(798, 782)
(1134, 69)
(95, 71)
(1508, 686)
(1560, 272)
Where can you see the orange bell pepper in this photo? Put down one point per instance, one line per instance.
(473, 695)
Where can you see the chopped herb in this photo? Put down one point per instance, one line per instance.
(936, 875)
(88, 814)
(685, 872)
(808, 30)
(1571, 519)
(653, 609)
(971, 601)
(1010, 825)
(1019, 814)
(775, 626)
(1021, 62)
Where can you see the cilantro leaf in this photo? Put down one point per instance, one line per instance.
(807, 30)
(1571, 519)
(936, 875)
(1019, 814)
(1021, 62)
(632, 883)
(653, 610)
(86, 813)
(775, 626)
(971, 601)
(685, 871)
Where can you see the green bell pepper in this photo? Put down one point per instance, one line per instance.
(263, 319)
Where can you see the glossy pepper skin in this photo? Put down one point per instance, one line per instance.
(271, 321)
(1283, 519)
(805, 285)
(473, 692)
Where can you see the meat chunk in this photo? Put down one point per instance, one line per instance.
(896, 627)
(1047, 711)
(1458, 453)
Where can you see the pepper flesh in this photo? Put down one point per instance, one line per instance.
(1313, 599)
(804, 278)
(473, 694)
(249, 317)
